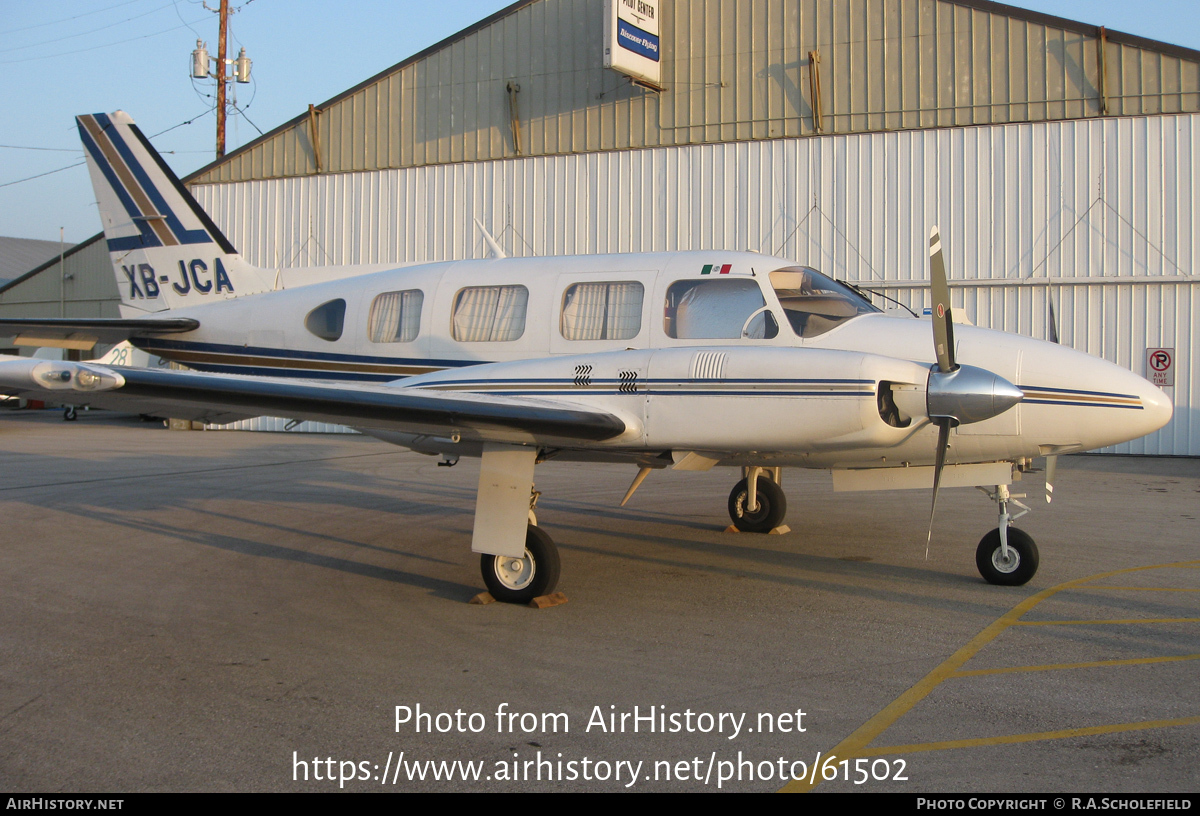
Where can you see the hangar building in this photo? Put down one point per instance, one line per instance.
(1060, 160)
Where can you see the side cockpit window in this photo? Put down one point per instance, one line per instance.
(489, 313)
(813, 303)
(395, 317)
(721, 309)
(326, 320)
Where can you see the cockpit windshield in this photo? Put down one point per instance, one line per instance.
(813, 303)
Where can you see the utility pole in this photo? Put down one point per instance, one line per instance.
(224, 25)
(241, 69)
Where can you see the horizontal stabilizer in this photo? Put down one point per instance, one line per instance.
(83, 333)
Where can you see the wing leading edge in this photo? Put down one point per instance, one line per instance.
(225, 398)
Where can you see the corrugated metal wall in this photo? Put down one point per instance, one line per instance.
(734, 70)
(1097, 215)
(84, 292)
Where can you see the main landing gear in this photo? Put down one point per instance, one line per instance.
(1006, 556)
(757, 503)
(519, 562)
(520, 580)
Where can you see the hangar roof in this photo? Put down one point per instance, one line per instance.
(732, 71)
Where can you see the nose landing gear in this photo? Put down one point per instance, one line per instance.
(757, 503)
(1006, 556)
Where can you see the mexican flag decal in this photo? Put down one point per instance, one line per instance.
(720, 270)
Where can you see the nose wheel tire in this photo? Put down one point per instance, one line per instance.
(772, 506)
(1015, 570)
(520, 580)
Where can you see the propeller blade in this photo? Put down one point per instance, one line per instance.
(1051, 467)
(1053, 323)
(943, 326)
(943, 441)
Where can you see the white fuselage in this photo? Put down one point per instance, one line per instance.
(742, 397)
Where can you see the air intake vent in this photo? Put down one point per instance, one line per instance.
(708, 365)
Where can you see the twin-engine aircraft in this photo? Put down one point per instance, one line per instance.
(680, 360)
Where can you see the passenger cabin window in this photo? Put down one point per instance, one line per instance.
(489, 313)
(602, 311)
(395, 317)
(326, 320)
(813, 303)
(720, 309)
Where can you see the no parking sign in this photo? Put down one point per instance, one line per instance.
(1160, 366)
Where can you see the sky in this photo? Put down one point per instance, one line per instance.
(60, 58)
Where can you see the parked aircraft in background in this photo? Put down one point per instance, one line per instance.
(680, 360)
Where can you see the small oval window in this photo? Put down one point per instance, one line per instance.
(326, 320)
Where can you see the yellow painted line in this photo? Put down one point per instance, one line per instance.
(1105, 622)
(1135, 661)
(1011, 739)
(1145, 589)
(856, 744)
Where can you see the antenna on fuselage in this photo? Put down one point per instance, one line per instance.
(493, 248)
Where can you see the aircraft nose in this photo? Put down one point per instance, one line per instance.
(1157, 409)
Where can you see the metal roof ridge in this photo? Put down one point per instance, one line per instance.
(399, 66)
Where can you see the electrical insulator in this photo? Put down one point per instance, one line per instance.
(200, 61)
(243, 67)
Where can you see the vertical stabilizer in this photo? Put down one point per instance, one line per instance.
(166, 251)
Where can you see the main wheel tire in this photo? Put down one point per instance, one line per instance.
(1017, 569)
(520, 580)
(772, 506)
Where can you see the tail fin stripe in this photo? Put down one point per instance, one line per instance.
(181, 234)
(147, 238)
(133, 198)
(214, 232)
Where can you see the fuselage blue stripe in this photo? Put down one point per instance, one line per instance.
(154, 344)
(1045, 391)
(1083, 404)
(657, 380)
(295, 373)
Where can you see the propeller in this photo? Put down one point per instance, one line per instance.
(1051, 460)
(943, 347)
(955, 394)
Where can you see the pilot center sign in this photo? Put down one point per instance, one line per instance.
(631, 43)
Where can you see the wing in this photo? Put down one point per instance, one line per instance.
(221, 398)
(83, 333)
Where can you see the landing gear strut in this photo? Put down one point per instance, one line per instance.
(520, 580)
(757, 503)
(1006, 556)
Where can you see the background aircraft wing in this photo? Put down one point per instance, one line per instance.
(223, 398)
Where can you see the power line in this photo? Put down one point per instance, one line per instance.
(55, 149)
(242, 113)
(181, 124)
(69, 19)
(39, 175)
(93, 48)
(85, 33)
(77, 164)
